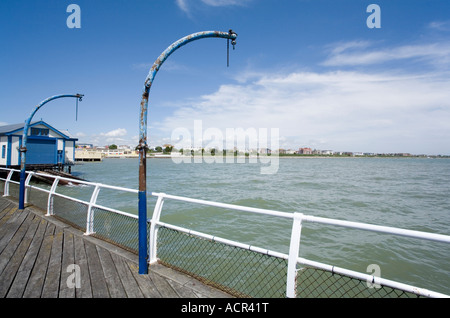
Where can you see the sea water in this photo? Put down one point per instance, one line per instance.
(409, 193)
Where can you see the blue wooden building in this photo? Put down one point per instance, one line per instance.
(47, 147)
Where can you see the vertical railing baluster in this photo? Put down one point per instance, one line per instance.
(90, 212)
(50, 197)
(8, 178)
(293, 255)
(27, 182)
(153, 237)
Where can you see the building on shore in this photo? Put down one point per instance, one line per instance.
(305, 151)
(47, 147)
(83, 154)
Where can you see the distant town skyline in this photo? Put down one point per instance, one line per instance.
(328, 74)
(279, 151)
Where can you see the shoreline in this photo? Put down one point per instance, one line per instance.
(286, 157)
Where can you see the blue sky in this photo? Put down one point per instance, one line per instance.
(311, 68)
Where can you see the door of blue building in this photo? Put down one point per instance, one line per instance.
(41, 151)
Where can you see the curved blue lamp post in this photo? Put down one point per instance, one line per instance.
(23, 149)
(143, 253)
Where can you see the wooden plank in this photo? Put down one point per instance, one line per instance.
(37, 252)
(51, 284)
(20, 281)
(3, 207)
(68, 256)
(146, 285)
(115, 286)
(129, 283)
(4, 204)
(36, 282)
(98, 282)
(10, 228)
(85, 289)
(13, 244)
(181, 290)
(163, 286)
(10, 271)
(7, 214)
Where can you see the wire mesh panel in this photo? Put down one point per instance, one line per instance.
(38, 198)
(240, 272)
(73, 212)
(14, 189)
(318, 283)
(116, 228)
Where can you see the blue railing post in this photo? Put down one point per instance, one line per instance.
(143, 244)
(23, 148)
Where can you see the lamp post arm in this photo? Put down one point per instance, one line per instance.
(23, 148)
(157, 65)
(45, 101)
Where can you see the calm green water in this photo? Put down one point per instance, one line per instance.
(408, 193)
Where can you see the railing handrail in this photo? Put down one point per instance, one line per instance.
(314, 219)
(293, 256)
(52, 192)
(76, 181)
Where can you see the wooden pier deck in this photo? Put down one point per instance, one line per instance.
(38, 254)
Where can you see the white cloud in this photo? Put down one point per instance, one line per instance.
(188, 5)
(182, 4)
(119, 132)
(221, 3)
(117, 136)
(343, 110)
(440, 25)
(365, 53)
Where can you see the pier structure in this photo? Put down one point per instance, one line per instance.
(235, 268)
(41, 256)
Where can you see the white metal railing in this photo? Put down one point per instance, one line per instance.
(91, 204)
(297, 220)
(293, 256)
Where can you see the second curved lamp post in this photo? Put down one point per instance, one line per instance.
(143, 250)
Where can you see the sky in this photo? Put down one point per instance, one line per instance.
(316, 70)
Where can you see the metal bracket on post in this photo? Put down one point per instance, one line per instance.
(293, 255)
(154, 228)
(90, 213)
(50, 197)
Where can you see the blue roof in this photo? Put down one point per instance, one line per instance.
(9, 129)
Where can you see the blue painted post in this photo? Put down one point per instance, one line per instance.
(143, 244)
(23, 149)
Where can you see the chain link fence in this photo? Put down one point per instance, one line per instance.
(318, 283)
(242, 273)
(73, 212)
(118, 229)
(245, 273)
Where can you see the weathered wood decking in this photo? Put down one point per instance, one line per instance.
(38, 253)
